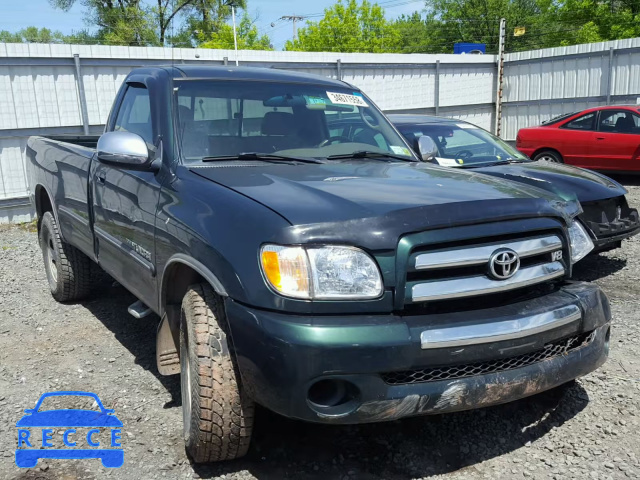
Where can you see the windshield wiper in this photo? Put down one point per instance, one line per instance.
(367, 154)
(508, 161)
(492, 164)
(259, 156)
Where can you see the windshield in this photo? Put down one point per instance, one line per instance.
(227, 119)
(463, 144)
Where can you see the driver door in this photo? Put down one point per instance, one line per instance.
(124, 205)
(618, 140)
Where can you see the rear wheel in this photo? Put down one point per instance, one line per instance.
(68, 269)
(549, 156)
(217, 415)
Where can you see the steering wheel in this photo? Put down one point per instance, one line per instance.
(464, 154)
(331, 140)
(373, 124)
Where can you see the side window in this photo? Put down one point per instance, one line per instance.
(585, 122)
(134, 114)
(619, 121)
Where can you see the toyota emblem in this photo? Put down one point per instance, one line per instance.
(503, 264)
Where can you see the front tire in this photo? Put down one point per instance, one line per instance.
(549, 156)
(217, 414)
(68, 269)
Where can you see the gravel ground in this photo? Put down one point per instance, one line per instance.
(590, 430)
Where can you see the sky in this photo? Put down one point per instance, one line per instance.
(16, 14)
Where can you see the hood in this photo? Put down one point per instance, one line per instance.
(563, 180)
(344, 191)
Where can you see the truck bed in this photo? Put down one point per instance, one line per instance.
(89, 141)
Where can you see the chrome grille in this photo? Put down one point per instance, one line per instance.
(460, 272)
(452, 372)
(480, 254)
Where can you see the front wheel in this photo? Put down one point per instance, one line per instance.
(217, 415)
(549, 156)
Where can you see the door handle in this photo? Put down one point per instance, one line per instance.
(600, 138)
(101, 178)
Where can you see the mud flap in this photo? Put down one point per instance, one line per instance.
(167, 342)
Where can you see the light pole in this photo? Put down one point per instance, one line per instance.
(232, 4)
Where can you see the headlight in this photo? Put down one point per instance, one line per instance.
(321, 273)
(581, 243)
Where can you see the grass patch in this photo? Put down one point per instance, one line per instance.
(31, 227)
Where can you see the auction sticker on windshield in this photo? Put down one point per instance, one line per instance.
(346, 99)
(449, 162)
(315, 100)
(400, 150)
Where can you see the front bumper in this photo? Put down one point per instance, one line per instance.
(282, 358)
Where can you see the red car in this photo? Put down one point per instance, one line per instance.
(601, 138)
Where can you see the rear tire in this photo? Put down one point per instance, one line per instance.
(68, 269)
(217, 414)
(549, 156)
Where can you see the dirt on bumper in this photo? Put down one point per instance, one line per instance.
(485, 390)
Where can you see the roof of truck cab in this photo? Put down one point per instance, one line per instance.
(412, 119)
(249, 73)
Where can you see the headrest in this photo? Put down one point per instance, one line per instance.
(625, 124)
(185, 113)
(278, 123)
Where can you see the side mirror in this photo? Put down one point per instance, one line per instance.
(427, 148)
(123, 149)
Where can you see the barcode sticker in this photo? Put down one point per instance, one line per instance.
(346, 99)
(448, 162)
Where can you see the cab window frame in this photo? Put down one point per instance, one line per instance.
(124, 110)
(614, 112)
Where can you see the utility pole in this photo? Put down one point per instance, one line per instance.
(500, 77)
(294, 19)
(232, 4)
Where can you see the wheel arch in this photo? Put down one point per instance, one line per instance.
(180, 272)
(44, 203)
(547, 149)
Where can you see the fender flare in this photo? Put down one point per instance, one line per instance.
(197, 266)
(167, 336)
(54, 207)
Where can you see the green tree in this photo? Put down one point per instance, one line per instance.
(478, 21)
(420, 34)
(119, 22)
(348, 27)
(248, 37)
(583, 21)
(548, 23)
(164, 13)
(202, 18)
(44, 35)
